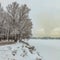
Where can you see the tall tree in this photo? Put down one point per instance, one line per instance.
(25, 23)
(2, 30)
(12, 11)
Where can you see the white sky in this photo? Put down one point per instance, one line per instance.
(45, 14)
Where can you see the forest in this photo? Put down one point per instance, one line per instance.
(15, 23)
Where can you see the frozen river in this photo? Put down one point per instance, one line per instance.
(49, 49)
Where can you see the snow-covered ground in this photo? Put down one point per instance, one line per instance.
(48, 50)
(19, 51)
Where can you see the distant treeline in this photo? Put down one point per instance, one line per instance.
(45, 38)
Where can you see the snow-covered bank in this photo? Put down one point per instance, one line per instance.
(18, 51)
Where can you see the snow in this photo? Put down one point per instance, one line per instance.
(47, 49)
(18, 51)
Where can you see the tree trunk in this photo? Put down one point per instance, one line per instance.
(8, 35)
(20, 39)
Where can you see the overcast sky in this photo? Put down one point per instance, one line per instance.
(45, 15)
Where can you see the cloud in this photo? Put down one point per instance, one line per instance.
(55, 32)
(39, 33)
(49, 21)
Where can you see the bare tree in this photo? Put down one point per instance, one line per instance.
(12, 10)
(25, 23)
(2, 30)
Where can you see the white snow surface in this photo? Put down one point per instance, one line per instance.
(18, 51)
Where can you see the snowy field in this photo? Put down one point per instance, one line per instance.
(48, 49)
